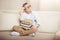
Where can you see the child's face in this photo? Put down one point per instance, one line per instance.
(27, 8)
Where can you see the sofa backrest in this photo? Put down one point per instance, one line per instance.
(49, 21)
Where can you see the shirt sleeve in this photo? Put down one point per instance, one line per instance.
(36, 19)
(22, 17)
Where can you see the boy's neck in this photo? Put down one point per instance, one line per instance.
(28, 12)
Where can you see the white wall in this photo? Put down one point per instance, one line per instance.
(50, 5)
(0, 4)
(11, 4)
(45, 5)
(42, 5)
(35, 4)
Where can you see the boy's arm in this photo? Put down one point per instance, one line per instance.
(22, 11)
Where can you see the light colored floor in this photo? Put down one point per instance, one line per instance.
(38, 36)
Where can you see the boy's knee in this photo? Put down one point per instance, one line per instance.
(14, 27)
(34, 30)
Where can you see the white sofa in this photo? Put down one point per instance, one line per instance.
(49, 22)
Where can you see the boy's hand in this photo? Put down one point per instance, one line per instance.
(22, 10)
(35, 26)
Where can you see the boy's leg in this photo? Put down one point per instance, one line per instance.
(32, 30)
(18, 29)
(22, 31)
